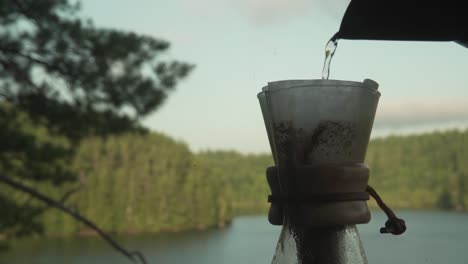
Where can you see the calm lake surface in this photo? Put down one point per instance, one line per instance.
(432, 237)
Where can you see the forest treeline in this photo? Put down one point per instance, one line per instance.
(149, 182)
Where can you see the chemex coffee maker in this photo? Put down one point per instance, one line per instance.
(319, 131)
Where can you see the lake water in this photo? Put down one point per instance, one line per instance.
(432, 237)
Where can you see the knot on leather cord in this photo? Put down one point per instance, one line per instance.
(393, 225)
(352, 178)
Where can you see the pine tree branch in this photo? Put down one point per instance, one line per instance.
(62, 200)
(69, 193)
(132, 255)
(47, 65)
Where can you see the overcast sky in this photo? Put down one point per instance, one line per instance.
(240, 45)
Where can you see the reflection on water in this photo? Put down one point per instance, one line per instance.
(432, 237)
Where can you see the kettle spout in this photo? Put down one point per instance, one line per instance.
(408, 20)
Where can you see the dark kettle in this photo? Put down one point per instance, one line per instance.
(405, 20)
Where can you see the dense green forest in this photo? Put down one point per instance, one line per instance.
(421, 171)
(149, 182)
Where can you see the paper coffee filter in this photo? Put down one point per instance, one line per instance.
(284, 84)
(317, 82)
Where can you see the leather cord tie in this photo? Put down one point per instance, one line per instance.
(326, 196)
(394, 225)
(323, 198)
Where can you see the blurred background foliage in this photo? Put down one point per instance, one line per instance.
(71, 99)
(148, 183)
